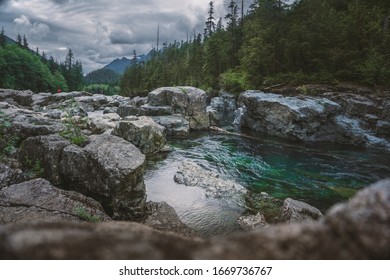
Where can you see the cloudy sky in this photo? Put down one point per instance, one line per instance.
(99, 31)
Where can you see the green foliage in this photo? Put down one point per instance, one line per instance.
(82, 213)
(74, 124)
(35, 167)
(307, 41)
(8, 143)
(102, 89)
(234, 81)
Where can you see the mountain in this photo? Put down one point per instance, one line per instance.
(102, 76)
(8, 40)
(119, 66)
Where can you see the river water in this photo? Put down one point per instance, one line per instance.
(316, 173)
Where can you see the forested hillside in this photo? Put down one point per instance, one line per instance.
(275, 42)
(22, 68)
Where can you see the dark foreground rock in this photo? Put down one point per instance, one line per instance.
(39, 200)
(359, 229)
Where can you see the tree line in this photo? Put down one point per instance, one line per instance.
(276, 41)
(22, 68)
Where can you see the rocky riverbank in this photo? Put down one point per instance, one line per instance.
(78, 157)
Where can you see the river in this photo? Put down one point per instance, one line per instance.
(317, 173)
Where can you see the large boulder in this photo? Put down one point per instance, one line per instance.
(311, 119)
(143, 132)
(192, 174)
(110, 170)
(39, 200)
(305, 118)
(187, 101)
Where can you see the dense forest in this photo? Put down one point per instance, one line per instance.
(321, 41)
(22, 68)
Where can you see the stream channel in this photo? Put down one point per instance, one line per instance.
(316, 173)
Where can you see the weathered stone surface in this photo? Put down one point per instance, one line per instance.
(92, 103)
(38, 200)
(163, 217)
(253, 222)
(26, 123)
(312, 119)
(350, 131)
(359, 229)
(221, 109)
(176, 126)
(289, 117)
(191, 174)
(121, 166)
(45, 150)
(187, 101)
(143, 132)
(295, 211)
(99, 123)
(10, 176)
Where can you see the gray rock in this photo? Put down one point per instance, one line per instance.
(221, 109)
(121, 167)
(253, 222)
(163, 217)
(26, 123)
(295, 211)
(176, 126)
(38, 200)
(10, 176)
(46, 151)
(191, 174)
(187, 101)
(351, 132)
(99, 122)
(289, 117)
(92, 103)
(143, 132)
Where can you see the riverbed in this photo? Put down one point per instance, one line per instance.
(317, 173)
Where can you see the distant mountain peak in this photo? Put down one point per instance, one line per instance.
(120, 65)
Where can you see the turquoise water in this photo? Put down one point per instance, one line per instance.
(319, 174)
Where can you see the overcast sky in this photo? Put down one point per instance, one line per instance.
(99, 31)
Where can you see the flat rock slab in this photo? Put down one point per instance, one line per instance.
(39, 200)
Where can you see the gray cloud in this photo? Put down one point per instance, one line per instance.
(101, 31)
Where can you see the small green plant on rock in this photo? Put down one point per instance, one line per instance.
(8, 143)
(74, 123)
(83, 214)
(35, 167)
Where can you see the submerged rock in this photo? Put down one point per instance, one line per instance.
(163, 217)
(295, 211)
(253, 222)
(39, 200)
(191, 174)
